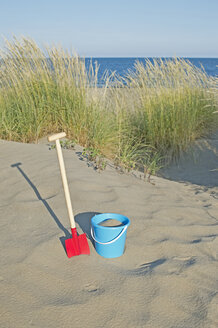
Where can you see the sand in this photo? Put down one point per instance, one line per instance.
(168, 275)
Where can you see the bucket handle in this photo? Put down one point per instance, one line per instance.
(109, 242)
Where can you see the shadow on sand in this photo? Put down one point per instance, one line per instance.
(199, 165)
(83, 219)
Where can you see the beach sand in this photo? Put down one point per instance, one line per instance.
(168, 275)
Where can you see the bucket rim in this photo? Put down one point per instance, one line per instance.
(116, 216)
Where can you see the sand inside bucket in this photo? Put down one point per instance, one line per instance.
(111, 223)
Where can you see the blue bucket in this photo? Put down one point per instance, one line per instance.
(109, 241)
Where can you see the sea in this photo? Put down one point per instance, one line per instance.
(122, 65)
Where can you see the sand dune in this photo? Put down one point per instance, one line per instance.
(167, 276)
(199, 165)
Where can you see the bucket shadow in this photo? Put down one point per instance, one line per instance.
(84, 221)
(49, 209)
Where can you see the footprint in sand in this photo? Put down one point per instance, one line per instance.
(204, 239)
(93, 289)
(163, 266)
(145, 268)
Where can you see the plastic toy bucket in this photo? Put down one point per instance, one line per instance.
(109, 241)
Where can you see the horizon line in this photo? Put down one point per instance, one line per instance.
(196, 57)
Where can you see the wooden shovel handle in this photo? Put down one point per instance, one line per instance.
(56, 137)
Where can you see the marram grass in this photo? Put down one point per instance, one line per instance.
(153, 114)
(40, 95)
(168, 105)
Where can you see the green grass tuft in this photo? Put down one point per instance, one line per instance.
(149, 117)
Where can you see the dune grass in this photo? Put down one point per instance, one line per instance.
(149, 116)
(174, 104)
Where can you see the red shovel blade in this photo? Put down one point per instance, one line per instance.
(77, 245)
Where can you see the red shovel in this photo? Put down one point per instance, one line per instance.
(77, 244)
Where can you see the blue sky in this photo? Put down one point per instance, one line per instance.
(116, 28)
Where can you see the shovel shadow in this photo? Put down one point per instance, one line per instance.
(45, 203)
(83, 219)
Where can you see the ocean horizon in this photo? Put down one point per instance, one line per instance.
(121, 65)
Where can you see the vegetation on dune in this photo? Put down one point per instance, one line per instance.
(146, 118)
(169, 104)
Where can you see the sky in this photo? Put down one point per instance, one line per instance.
(116, 28)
